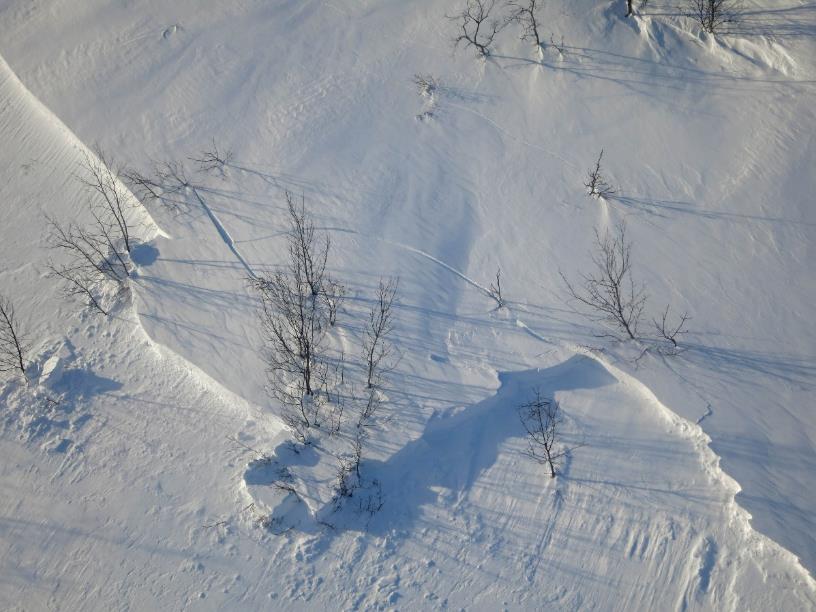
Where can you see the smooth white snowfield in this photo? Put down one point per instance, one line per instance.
(694, 487)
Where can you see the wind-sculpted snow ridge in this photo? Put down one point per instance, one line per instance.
(146, 466)
(463, 500)
(22, 108)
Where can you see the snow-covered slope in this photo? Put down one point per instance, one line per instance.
(129, 493)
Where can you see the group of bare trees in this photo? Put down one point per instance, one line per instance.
(480, 21)
(89, 255)
(295, 320)
(608, 294)
(98, 251)
(299, 305)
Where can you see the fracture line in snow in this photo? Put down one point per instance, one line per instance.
(439, 262)
(518, 322)
(222, 231)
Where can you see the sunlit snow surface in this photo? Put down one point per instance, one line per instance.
(694, 484)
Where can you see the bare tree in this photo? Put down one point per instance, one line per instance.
(542, 420)
(526, 14)
(671, 332)
(306, 251)
(596, 185)
(478, 27)
(294, 320)
(610, 292)
(495, 290)
(630, 10)
(294, 331)
(112, 209)
(13, 345)
(426, 84)
(377, 348)
(713, 14)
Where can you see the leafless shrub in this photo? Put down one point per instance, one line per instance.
(166, 184)
(609, 292)
(369, 407)
(79, 282)
(542, 420)
(348, 477)
(332, 385)
(373, 503)
(89, 259)
(213, 159)
(495, 290)
(377, 348)
(596, 185)
(526, 14)
(92, 250)
(671, 331)
(713, 14)
(558, 46)
(426, 84)
(333, 295)
(13, 343)
(478, 27)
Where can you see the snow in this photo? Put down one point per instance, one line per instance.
(138, 468)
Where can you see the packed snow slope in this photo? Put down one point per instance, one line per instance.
(694, 486)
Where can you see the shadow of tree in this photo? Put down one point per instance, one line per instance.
(455, 450)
